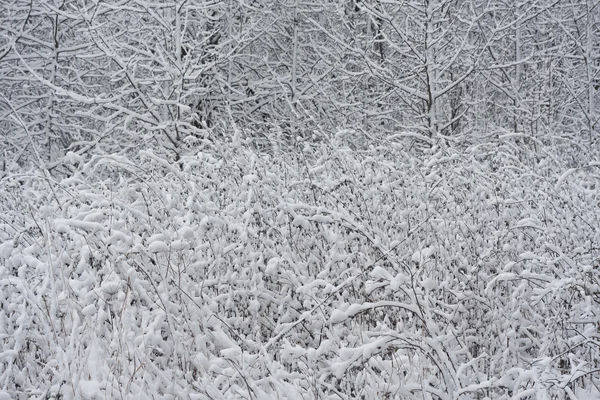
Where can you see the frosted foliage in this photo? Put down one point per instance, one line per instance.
(327, 273)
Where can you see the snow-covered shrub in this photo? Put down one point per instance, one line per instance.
(328, 272)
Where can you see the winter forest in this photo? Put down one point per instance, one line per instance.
(300, 199)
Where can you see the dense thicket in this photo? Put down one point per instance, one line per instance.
(324, 273)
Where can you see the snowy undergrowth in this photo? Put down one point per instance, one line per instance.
(323, 274)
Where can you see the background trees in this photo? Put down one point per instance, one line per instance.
(121, 74)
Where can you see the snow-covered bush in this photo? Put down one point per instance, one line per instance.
(328, 272)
